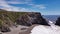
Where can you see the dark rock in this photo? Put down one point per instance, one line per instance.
(5, 29)
(23, 28)
(0, 33)
(31, 18)
(58, 21)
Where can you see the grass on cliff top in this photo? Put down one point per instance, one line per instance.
(11, 15)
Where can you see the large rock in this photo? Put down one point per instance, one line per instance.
(58, 21)
(31, 18)
(5, 29)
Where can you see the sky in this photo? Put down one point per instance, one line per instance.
(45, 7)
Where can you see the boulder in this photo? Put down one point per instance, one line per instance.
(31, 18)
(58, 21)
(0, 32)
(5, 29)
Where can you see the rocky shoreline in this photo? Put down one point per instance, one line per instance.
(10, 20)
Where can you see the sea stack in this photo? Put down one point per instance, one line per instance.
(58, 21)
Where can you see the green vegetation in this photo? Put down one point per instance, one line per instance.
(9, 15)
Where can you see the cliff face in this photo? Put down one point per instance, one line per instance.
(31, 18)
(58, 21)
(9, 19)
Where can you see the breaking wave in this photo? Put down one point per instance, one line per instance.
(41, 29)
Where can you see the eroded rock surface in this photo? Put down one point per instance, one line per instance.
(5, 29)
(31, 18)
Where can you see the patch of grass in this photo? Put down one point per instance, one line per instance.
(11, 15)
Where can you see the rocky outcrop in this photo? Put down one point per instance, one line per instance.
(58, 21)
(4, 29)
(31, 18)
(5, 23)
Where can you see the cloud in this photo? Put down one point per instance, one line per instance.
(5, 5)
(40, 6)
(17, 9)
(19, 1)
(16, 2)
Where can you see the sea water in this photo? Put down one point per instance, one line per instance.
(52, 29)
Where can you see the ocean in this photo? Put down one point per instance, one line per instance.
(52, 18)
(52, 29)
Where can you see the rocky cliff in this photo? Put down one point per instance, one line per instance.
(31, 18)
(7, 19)
(58, 21)
(10, 18)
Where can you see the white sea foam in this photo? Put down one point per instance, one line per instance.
(41, 29)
